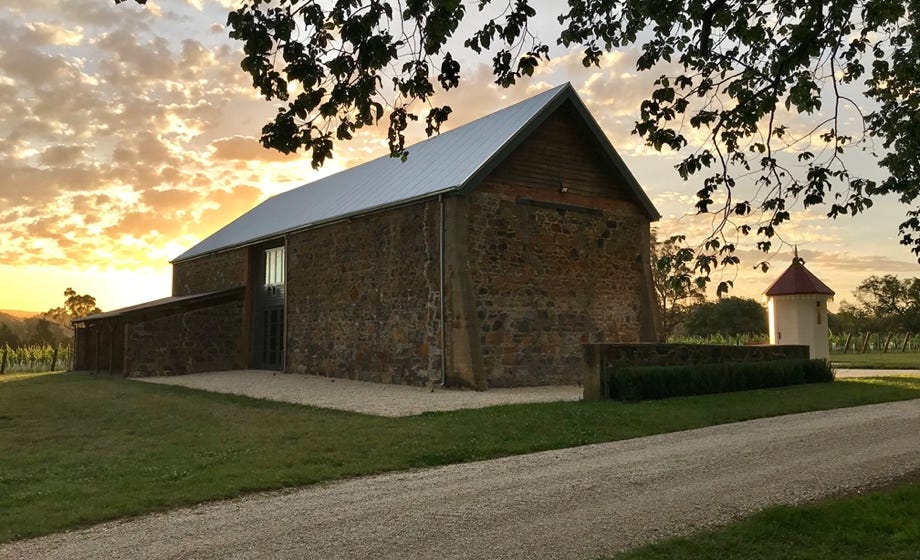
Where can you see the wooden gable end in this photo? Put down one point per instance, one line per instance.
(561, 161)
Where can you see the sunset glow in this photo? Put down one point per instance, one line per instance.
(130, 133)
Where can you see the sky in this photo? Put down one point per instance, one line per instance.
(130, 134)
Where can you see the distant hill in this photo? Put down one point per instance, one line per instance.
(23, 323)
(18, 314)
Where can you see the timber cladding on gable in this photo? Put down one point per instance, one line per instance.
(210, 273)
(363, 298)
(561, 152)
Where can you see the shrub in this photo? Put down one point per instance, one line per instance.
(659, 382)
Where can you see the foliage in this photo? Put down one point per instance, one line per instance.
(736, 74)
(885, 303)
(8, 337)
(672, 276)
(75, 307)
(884, 523)
(36, 357)
(741, 339)
(731, 316)
(77, 450)
(661, 382)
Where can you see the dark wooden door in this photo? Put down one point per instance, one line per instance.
(270, 338)
(268, 311)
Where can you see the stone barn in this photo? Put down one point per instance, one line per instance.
(486, 259)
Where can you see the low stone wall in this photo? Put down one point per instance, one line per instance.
(602, 360)
(208, 339)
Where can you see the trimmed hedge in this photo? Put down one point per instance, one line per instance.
(659, 382)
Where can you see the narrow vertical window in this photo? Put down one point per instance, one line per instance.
(274, 266)
(818, 311)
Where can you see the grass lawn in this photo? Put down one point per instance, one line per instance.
(882, 524)
(76, 450)
(877, 360)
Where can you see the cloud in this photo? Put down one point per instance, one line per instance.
(130, 133)
(61, 155)
(106, 116)
(246, 148)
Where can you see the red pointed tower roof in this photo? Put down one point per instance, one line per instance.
(797, 280)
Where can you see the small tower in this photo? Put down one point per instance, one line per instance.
(798, 309)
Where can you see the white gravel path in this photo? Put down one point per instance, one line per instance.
(387, 400)
(360, 396)
(568, 504)
(844, 373)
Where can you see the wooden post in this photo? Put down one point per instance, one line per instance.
(865, 342)
(54, 358)
(3, 360)
(906, 340)
(111, 349)
(846, 345)
(98, 342)
(887, 340)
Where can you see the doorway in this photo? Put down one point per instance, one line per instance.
(268, 310)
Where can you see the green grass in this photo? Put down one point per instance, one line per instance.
(76, 450)
(883, 524)
(877, 360)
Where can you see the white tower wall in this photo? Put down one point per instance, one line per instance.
(800, 319)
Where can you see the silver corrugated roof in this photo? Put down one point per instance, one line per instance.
(447, 162)
(162, 302)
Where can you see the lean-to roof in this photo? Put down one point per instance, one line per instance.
(166, 306)
(452, 161)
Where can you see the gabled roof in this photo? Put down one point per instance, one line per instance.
(450, 162)
(797, 280)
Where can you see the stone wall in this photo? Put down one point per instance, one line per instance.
(553, 270)
(602, 360)
(210, 273)
(363, 298)
(208, 339)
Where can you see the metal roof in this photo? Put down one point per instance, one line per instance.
(797, 280)
(166, 305)
(451, 161)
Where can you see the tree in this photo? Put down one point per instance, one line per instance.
(885, 303)
(675, 288)
(732, 72)
(848, 319)
(731, 316)
(75, 307)
(8, 337)
(43, 333)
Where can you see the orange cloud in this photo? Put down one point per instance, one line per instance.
(247, 148)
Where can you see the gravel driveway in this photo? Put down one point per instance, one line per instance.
(568, 504)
